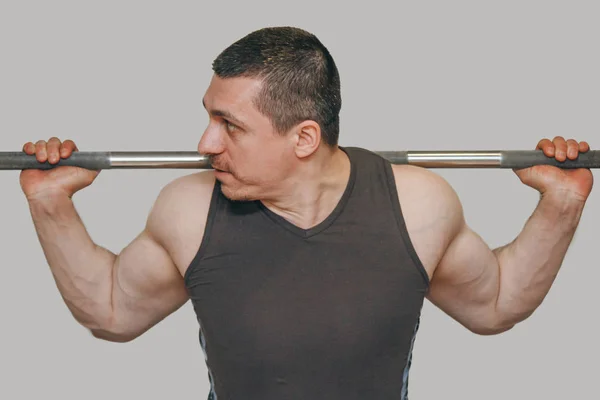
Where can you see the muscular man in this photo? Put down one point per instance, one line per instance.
(307, 263)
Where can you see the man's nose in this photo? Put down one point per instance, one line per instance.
(211, 142)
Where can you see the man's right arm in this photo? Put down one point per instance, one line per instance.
(116, 296)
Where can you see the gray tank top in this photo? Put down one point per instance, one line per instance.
(329, 312)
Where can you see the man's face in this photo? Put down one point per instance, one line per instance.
(248, 156)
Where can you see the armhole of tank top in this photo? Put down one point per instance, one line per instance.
(210, 218)
(397, 207)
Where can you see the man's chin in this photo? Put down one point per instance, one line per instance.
(235, 195)
(231, 187)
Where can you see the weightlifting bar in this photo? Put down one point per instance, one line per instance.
(515, 159)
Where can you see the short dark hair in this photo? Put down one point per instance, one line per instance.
(300, 79)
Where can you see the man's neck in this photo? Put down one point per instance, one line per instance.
(314, 191)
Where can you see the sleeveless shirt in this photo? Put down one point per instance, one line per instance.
(329, 312)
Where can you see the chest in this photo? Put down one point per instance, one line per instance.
(314, 296)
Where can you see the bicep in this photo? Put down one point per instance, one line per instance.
(147, 286)
(465, 283)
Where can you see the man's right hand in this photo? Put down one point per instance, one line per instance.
(64, 180)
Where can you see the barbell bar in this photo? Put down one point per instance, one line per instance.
(99, 160)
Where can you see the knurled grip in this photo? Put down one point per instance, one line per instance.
(88, 160)
(518, 159)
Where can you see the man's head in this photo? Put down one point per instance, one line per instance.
(273, 102)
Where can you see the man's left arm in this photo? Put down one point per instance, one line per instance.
(490, 290)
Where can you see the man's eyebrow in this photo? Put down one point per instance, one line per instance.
(225, 114)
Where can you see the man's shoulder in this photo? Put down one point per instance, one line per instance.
(431, 209)
(184, 200)
(199, 183)
(424, 192)
(418, 183)
(178, 217)
(418, 188)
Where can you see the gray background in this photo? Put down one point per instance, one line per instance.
(130, 75)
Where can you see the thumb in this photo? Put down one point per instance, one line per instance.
(532, 177)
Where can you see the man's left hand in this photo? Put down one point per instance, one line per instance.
(565, 185)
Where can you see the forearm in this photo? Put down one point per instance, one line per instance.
(529, 264)
(82, 270)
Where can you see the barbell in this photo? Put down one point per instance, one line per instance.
(98, 160)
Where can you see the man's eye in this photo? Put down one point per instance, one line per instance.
(230, 127)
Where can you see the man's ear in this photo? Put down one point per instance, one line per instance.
(307, 138)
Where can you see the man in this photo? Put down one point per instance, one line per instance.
(307, 263)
